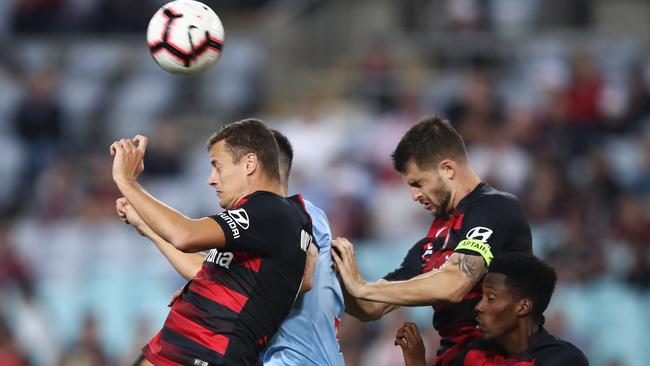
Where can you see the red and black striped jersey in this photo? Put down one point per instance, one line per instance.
(492, 221)
(236, 302)
(545, 350)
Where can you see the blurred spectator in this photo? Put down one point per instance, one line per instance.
(164, 156)
(13, 270)
(378, 85)
(498, 160)
(87, 350)
(37, 16)
(10, 354)
(124, 15)
(39, 125)
(585, 92)
(32, 326)
(578, 258)
(477, 108)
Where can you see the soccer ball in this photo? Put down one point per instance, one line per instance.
(185, 37)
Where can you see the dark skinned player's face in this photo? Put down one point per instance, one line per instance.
(499, 308)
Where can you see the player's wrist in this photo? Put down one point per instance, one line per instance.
(124, 181)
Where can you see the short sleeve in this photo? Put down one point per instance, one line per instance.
(256, 226)
(495, 225)
(320, 227)
(411, 265)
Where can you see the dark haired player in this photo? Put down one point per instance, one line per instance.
(473, 223)
(516, 291)
(251, 276)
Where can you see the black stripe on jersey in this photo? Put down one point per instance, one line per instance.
(220, 323)
(232, 278)
(210, 309)
(179, 349)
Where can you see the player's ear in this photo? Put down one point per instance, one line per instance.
(524, 307)
(251, 163)
(447, 168)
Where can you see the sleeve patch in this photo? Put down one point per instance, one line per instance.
(479, 247)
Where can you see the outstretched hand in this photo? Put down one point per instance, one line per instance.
(409, 339)
(345, 264)
(128, 158)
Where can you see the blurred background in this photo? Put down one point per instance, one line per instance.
(552, 97)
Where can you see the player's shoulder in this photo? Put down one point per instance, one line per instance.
(487, 198)
(320, 225)
(551, 350)
(270, 205)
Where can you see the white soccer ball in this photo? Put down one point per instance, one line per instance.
(185, 37)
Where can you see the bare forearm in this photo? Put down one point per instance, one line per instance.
(365, 310)
(438, 287)
(166, 222)
(186, 264)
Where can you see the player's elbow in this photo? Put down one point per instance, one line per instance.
(184, 243)
(455, 296)
(307, 284)
(370, 317)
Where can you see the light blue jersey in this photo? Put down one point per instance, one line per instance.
(308, 334)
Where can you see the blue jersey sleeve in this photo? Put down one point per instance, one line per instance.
(320, 227)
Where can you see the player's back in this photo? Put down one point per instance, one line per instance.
(308, 334)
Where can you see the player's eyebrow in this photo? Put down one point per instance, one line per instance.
(414, 183)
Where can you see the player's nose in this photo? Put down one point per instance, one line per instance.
(415, 194)
(212, 179)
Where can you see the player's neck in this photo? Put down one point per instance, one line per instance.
(519, 340)
(467, 182)
(265, 184)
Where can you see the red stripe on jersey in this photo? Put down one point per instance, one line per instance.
(241, 202)
(458, 221)
(461, 340)
(152, 353)
(436, 225)
(233, 300)
(472, 295)
(482, 357)
(247, 260)
(190, 330)
(302, 201)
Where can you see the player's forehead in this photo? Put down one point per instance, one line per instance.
(414, 173)
(219, 152)
(495, 282)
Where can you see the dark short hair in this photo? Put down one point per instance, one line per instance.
(529, 277)
(428, 142)
(250, 136)
(286, 151)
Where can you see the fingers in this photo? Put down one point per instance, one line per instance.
(128, 146)
(411, 331)
(337, 259)
(113, 148)
(138, 143)
(141, 142)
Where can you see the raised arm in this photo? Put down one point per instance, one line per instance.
(186, 264)
(448, 284)
(183, 233)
